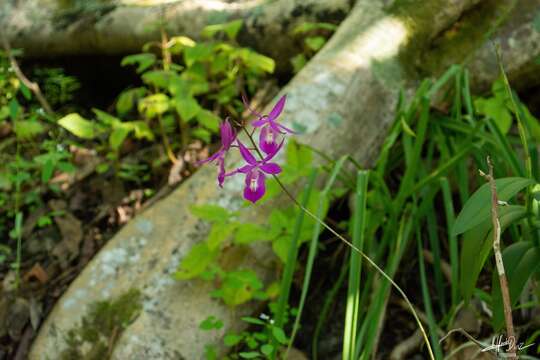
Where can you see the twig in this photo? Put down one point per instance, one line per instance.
(34, 87)
(510, 334)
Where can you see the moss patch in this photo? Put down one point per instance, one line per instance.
(71, 11)
(101, 327)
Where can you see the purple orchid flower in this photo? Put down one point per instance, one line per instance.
(228, 137)
(255, 172)
(270, 128)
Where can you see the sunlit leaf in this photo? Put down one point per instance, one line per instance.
(478, 208)
(78, 126)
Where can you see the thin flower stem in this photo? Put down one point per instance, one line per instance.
(511, 337)
(367, 258)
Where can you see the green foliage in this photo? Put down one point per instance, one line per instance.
(313, 36)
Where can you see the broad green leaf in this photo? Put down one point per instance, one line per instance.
(230, 28)
(315, 42)
(141, 130)
(219, 233)
(159, 78)
(281, 246)
(143, 61)
(187, 107)
(257, 61)
(118, 135)
(202, 134)
(477, 246)
(127, 99)
(309, 26)
(247, 233)
(211, 323)
(249, 355)
(27, 129)
(478, 208)
(238, 287)
(496, 109)
(195, 262)
(106, 118)
(231, 339)
(521, 260)
(209, 120)
(178, 43)
(211, 213)
(199, 52)
(47, 170)
(298, 62)
(78, 126)
(279, 335)
(267, 349)
(154, 105)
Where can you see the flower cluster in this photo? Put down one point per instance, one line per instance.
(255, 170)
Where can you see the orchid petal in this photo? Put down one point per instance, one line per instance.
(286, 129)
(278, 108)
(227, 134)
(246, 154)
(272, 154)
(260, 122)
(255, 186)
(220, 153)
(267, 140)
(221, 172)
(271, 168)
(246, 105)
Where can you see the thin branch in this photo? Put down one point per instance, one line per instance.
(510, 334)
(34, 87)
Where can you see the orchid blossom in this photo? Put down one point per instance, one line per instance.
(255, 171)
(228, 137)
(270, 128)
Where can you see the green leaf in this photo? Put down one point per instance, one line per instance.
(496, 109)
(187, 107)
(199, 52)
(267, 349)
(247, 233)
(252, 320)
(478, 208)
(118, 135)
(143, 61)
(195, 262)
(230, 28)
(211, 323)
(142, 131)
(153, 105)
(211, 213)
(178, 43)
(279, 335)
(47, 170)
(27, 129)
(521, 260)
(281, 246)
(298, 62)
(477, 246)
(106, 118)
(202, 134)
(127, 98)
(78, 126)
(159, 78)
(238, 287)
(305, 27)
(249, 355)
(219, 233)
(315, 42)
(232, 339)
(257, 61)
(209, 120)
